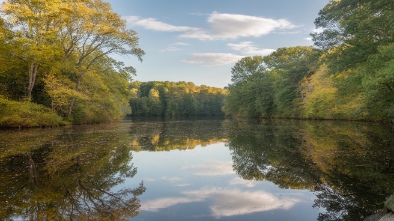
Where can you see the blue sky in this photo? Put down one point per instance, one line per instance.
(200, 40)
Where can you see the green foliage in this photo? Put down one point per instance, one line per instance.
(378, 83)
(26, 114)
(350, 78)
(290, 66)
(270, 86)
(156, 98)
(245, 68)
(56, 53)
(319, 95)
(251, 93)
(356, 28)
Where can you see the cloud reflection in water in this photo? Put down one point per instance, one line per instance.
(222, 202)
(212, 168)
(226, 202)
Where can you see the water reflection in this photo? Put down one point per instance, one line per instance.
(200, 183)
(201, 170)
(67, 174)
(228, 202)
(171, 135)
(349, 166)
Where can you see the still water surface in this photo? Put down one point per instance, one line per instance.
(197, 170)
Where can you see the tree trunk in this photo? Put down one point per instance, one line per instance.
(33, 68)
(70, 109)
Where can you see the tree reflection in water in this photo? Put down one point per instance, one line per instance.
(72, 174)
(348, 165)
(69, 176)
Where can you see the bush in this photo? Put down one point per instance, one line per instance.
(26, 114)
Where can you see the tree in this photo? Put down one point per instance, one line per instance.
(352, 30)
(92, 31)
(246, 67)
(378, 83)
(250, 79)
(154, 102)
(289, 66)
(34, 25)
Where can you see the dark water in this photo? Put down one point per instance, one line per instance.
(197, 170)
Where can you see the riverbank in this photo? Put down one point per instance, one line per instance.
(382, 121)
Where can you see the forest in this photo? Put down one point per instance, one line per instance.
(175, 99)
(348, 74)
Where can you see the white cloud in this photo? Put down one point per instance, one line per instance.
(181, 44)
(241, 182)
(226, 202)
(236, 202)
(155, 205)
(248, 48)
(171, 179)
(183, 185)
(212, 168)
(213, 59)
(235, 25)
(222, 26)
(153, 24)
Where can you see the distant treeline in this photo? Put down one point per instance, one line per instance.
(157, 98)
(349, 76)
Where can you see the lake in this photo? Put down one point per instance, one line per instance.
(197, 169)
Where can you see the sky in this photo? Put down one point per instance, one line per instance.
(200, 40)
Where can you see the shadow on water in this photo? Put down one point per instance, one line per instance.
(67, 174)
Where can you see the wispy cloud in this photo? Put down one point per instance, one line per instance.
(213, 59)
(153, 24)
(248, 48)
(175, 46)
(222, 26)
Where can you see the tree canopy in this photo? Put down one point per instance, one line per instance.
(348, 76)
(58, 54)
